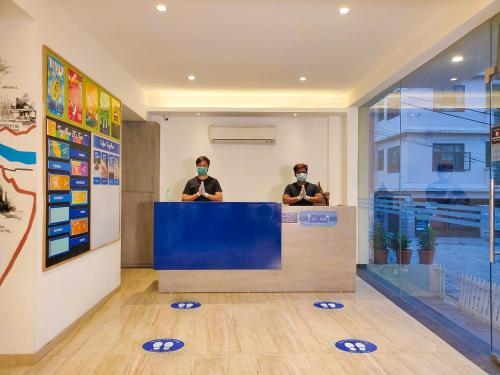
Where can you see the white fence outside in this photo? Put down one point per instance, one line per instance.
(475, 299)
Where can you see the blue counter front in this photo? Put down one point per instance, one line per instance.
(217, 236)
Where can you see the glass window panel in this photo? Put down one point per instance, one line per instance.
(447, 156)
(438, 126)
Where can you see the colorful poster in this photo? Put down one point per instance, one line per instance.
(96, 170)
(106, 145)
(79, 197)
(67, 190)
(104, 104)
(117, 170)
(58, 182)
(57, 149)
(58, 166)
(79, 182)
(91, 104)
(116, 117)
(55, 86)
(79, 168)
(77, 103)
(111, 169)
(79, 226)
(58, 215)
(74, 96)
(67, 132)
(58, 246)
(104, 168)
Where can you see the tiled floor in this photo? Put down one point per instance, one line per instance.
(248, 333)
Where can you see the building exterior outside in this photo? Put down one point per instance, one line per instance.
(429, 158)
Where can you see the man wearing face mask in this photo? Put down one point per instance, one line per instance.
(202, 187)
(301, 193)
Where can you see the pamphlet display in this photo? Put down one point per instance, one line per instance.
(68, 182)
(82, 162)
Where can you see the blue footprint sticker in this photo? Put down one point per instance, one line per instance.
(185, 305)
(163, 345)
(328, 305)
(356, 346)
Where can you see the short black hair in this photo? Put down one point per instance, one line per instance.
(298, 166)
(202, 158)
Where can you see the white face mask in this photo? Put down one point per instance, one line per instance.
(301, 177)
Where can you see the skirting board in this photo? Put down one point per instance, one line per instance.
(11, 360)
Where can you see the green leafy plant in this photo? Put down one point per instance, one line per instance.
(379, 237)
(427, 240)
(399, 241)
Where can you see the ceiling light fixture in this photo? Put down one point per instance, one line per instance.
(344, 10)
(191, 77)
(457, 58)
(453, 79)
(303, 78)
(295, 114)
(161, 8)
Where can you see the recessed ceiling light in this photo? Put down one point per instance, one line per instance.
(191, 77)
(161, 8)
(457, 58)
(453, 79)
(303, 78)
(344, 10)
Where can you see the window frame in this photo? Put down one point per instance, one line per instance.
(391, 166)
(452, 154)
(380, 160)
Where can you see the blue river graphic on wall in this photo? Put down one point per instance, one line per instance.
(13, 155)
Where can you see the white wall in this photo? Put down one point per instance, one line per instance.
(66, 292)
(249, 172)
(416, 163)
(17, 294)
(57, 29)
(40, 305)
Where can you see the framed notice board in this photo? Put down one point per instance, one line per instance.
(82, 129)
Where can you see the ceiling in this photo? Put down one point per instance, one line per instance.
(264, 45)
(9, 10)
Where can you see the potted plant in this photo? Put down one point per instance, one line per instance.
(379, 239)
(400, 243)
(426, 246)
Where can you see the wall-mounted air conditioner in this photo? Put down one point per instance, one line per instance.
(243, 134)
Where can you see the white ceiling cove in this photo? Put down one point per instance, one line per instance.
(262, 45)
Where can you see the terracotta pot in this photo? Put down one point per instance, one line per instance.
(380, 256)
(426, 257)
(403, 256)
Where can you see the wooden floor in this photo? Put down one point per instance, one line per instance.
(248, 333)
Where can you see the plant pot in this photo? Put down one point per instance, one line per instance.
(403, 256)
(426, 256)
(380, 256)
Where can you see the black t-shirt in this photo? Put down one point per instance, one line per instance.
(212, 186)
(293, 190)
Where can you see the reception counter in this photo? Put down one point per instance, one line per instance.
(254, 247)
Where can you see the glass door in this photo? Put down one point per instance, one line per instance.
(494, 213)
(492, 79)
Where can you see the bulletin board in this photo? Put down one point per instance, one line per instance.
(82, 128)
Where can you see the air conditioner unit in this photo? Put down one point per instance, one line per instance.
(243, 134)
